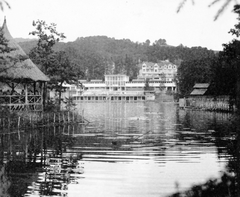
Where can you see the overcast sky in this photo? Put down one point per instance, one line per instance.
(137, 20)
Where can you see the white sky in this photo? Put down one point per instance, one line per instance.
(137, 20)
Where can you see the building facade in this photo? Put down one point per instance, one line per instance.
(161, 74)
(119, 85)
(163, 70)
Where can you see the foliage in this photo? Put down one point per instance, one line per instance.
(236, 30)
(213, 187)
(99, 55)
(194, 71)
(47, 38)
(227, 76)
(62, 70)
(4, 3)
(57, 65)
(5, 112)
(223, 71)
(226, 71)
(52, 105)
(220, 11)
(69, 104)
(147, 86)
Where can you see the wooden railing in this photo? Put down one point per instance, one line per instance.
(22, 102)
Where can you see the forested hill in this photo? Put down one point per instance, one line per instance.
(98, 55)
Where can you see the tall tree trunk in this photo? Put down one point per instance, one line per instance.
(238, 138)
(238, 95)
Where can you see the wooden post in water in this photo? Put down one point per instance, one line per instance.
(18, 129)
(42, 145)
(68, 117)
(9, 125)
(54, 119)
(48, 120)
(1, 128)
(68, 128)
(82, 115)
(63, 118)
(59, 121)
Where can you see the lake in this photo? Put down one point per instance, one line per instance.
(126, 149)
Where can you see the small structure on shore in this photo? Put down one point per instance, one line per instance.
(202, 99)
(22, 83)
(200, 89)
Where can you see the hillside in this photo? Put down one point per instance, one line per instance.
(97, 55)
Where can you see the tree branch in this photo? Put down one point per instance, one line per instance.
(219, 12)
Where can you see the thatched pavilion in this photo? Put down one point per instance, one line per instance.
(22, 83)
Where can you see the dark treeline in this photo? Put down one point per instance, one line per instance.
(221, 71)
(99, 55)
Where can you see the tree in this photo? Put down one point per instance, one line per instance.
(224, 79)
(63, 70)
(47, 38)
(213, 2)
(236, 30)
(56, 65)
(230, 59)
(4, 3)
(194, 71)
(161, 42)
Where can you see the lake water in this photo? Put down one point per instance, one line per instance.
(127, 149)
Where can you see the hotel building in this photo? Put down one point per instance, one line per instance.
(160, 77)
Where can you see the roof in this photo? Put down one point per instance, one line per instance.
(25, 69)
(201, 85)
(96, 80)
(199, 89)
(158, 64)
(198, 92)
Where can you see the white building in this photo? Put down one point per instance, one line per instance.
(161, 74)
(119, 85)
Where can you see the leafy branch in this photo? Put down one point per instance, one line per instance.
(219, 12)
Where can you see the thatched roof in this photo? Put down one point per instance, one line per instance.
(22, 70)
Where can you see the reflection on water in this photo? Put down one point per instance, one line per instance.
(127, 149)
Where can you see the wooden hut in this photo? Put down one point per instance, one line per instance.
(22, 83)
(200, 89)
